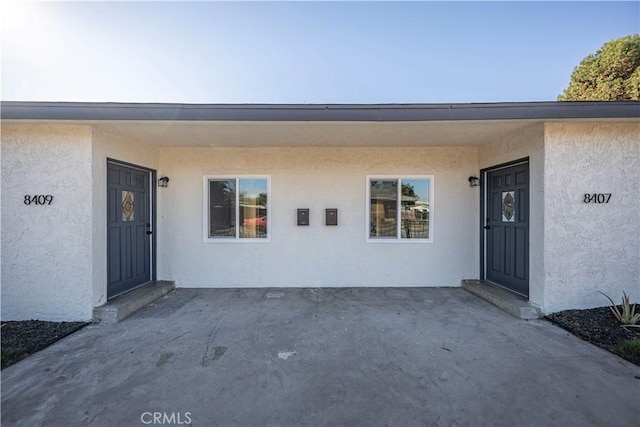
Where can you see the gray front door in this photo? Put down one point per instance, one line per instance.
(129, 228)
(507, 227)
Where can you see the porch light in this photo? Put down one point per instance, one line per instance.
(163, 182)
(474, 181)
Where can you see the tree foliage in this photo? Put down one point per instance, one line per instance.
(612, 74)
(408, 190)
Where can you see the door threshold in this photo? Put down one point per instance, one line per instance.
(123, 305)
(516, 293)
(112, 297)
(508, 301)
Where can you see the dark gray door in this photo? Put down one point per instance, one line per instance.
(129, 228)
(507, 227)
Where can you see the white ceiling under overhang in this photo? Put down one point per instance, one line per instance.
(313, 134)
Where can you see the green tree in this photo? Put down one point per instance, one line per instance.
(222, 193)
(612, 74)
(407, 190)
(262, 200)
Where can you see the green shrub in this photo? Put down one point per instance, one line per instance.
(629, 349)
(11, 355)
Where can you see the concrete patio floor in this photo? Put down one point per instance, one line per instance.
(330, 356)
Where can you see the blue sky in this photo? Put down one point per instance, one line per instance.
(302, 52)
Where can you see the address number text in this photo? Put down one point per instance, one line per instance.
(38, 199)
(597, 198)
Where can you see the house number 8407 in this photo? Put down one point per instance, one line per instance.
(38, 199)
(597, 198)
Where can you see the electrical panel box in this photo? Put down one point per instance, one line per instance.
(303, 216)
(331, 216)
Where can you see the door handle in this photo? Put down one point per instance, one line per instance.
(149, 232)
(487, 227)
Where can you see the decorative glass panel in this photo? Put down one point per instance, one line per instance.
(222, 208)
(508, 206)
(415, 209)
(253, 208)
(128, 206)
(384, 206)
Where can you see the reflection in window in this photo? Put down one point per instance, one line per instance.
(253, 208)
(384, 206)
(222, 208)
(399, 208)
(237, 208)
(415, 209)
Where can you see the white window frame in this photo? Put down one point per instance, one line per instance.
(398, 238)
(206, 205)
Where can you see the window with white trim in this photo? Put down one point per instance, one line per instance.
(400, 208)
(236, 208)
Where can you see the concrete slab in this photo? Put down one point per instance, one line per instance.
(503, 299)
(122, 306)
(397, 357)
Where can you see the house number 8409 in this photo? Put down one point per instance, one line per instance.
(38, 199)
(597, 198)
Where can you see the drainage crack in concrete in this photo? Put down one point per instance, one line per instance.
(206, 358)
(86, 421)
(175, 338)
(258, 323)
(212, 336)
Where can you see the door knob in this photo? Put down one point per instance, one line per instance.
(149, 232)
(487, 227)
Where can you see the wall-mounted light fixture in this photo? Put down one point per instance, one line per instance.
(474, 181)
(163, 182)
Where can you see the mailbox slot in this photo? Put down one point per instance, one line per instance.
(303, 216)
(331, 216)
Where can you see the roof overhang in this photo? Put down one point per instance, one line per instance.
(82, 111)
(264, 125)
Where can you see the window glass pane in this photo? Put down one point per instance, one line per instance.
(415, 209)
(384, 205)
(222, 208)
(253, 208)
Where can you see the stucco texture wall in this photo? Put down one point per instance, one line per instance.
(591, 247)
(317, 255)
(526, 144)
(46, 249)
(110, 145)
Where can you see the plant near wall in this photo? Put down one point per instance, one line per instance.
(629, 349)
(9, 356)
(628, 315)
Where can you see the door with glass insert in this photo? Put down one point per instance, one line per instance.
(507, 227)
(128, 228)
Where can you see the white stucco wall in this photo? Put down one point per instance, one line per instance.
(528, 143)
(109, 145)
(46, 257)
(591, 247)
(317, 255)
